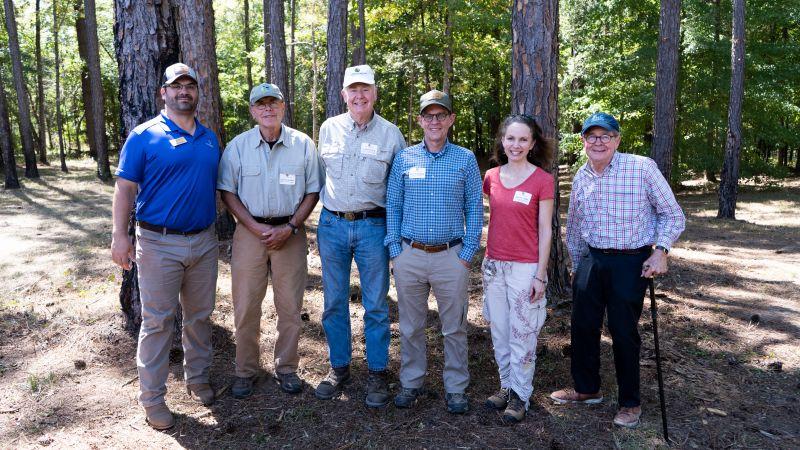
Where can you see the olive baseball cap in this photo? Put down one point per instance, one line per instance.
(265, 90)
(178, 70)
(358, 74)
(602, 120)
(435, 97)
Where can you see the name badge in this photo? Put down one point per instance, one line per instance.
(416, 173)
(369, 149)
(287, 179)
(522, 197)
(178, 141)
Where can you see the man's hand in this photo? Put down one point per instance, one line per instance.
(262, 231)
(656, 264)
(277, 237)
(122, 251)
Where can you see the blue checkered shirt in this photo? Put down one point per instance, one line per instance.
(433, 209)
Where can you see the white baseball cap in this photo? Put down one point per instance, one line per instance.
(358, 74)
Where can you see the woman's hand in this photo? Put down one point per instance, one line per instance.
(537, 290)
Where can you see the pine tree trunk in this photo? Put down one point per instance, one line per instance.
(359, 35)
(40, 88)
(292, 60)
(62, 156)
(267, 44)
(97, 118)
(337, 57)
(733, 145)
(247, 46)
(314, 76)
(666, 86)
(86, 91)
(6, 141)
(24, 107)
(447, 63)
(280, 67)
(534, 91)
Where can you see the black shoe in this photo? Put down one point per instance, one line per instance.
(498, 400)
(242, 387)
(515, 411)
(289, 382)
(407, 397)
(457, 402)
(332, 383)
(377, 389)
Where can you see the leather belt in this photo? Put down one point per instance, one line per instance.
(273, 220)
(432, 248)
(358, 215)
(623, 251)
(165, 230)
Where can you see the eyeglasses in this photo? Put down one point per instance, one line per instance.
(270, 105)
(604, 138)
(189, 87)
(440, 116)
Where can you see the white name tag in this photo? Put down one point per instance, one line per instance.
(178, 141)
(369, 149)
(416, 173)
(287, 179)
(522, 197)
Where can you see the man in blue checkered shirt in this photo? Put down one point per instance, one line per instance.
(434, 218)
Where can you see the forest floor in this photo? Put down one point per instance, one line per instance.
(729, 324)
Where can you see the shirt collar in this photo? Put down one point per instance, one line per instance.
(169, 125)
(351, 124)
(255, 139)
(612, 165)
(436, 154)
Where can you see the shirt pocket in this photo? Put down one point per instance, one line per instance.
(251, 170)
(375, 167)
(292, 180)
(333, 158)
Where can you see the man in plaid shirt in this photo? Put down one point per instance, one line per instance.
(622, 221)
(434, 219)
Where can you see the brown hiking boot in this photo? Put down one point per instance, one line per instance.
(515, 411)
(628, 417)
(159, 417)
(201, 393)
(571, 396)
(498, 400)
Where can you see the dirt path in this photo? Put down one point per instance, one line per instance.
(730, 316)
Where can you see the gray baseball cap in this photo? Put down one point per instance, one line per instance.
(265, 90)
(435, 97)
(178, 70)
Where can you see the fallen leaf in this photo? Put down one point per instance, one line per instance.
(717, 412)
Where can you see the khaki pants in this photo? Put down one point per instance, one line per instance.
(415, 274)
(251, 266)
(174, 268)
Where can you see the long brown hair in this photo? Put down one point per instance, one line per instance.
(543, 148)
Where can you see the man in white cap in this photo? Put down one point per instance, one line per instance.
(357, 149)
(269, 179)
(169, 167)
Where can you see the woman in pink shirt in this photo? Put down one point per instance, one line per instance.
(520, 195)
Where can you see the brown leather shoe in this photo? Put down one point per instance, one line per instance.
(571, 396)
(628, 417)
(201, 393)
(159, 417)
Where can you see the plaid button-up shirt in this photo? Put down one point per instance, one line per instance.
(432, 196)
(629, 205)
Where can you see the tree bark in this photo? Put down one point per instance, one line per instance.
(314, 75)
(337, 57)
(664, 116)
(62, 155)
(97, 118)
(86, 96)
(292, 65)
(24, 107)
(280, 68)
(729, 182)
(42, 141)
(267, 44)
(6, 141)
(534, 91)
(247, 46)
(359, 35)
(447, 63)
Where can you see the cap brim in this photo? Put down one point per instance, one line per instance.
(434, 102)
(604, 125)
(173, 79)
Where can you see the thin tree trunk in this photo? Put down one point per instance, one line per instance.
(337, 57)
(314, 75)
(24, 108)
(293, 26)
(40, 88)
(86, 96)
(247, 46)
(447, 63)
(62, 156)
(280, 68)
(359, 34)
(733, 145)
(534, 91)
(97, 117)
(6, 140)
(666, 86)
(267, 44)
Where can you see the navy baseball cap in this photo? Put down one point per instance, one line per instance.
(602, 120)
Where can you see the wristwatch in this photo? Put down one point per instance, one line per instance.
(662, 248)
(294, 228)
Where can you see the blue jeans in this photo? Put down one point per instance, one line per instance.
(340, 241)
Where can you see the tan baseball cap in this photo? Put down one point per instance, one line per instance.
(435, 97)
(178, 70)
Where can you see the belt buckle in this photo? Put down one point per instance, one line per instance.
(350, 216)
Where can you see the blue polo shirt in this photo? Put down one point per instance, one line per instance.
(177, 180)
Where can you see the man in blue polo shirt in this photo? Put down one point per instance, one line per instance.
(434, 219)
(169, 167)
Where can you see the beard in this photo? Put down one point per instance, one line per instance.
(182, 103)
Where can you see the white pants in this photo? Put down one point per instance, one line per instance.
(515, 321)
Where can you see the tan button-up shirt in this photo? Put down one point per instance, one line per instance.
(356, 161)
(270, 182)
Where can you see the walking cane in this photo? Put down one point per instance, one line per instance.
(654, 313)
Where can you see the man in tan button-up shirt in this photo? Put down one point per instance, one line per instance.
(269, 178)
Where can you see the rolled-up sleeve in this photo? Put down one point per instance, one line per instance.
(670, 220)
